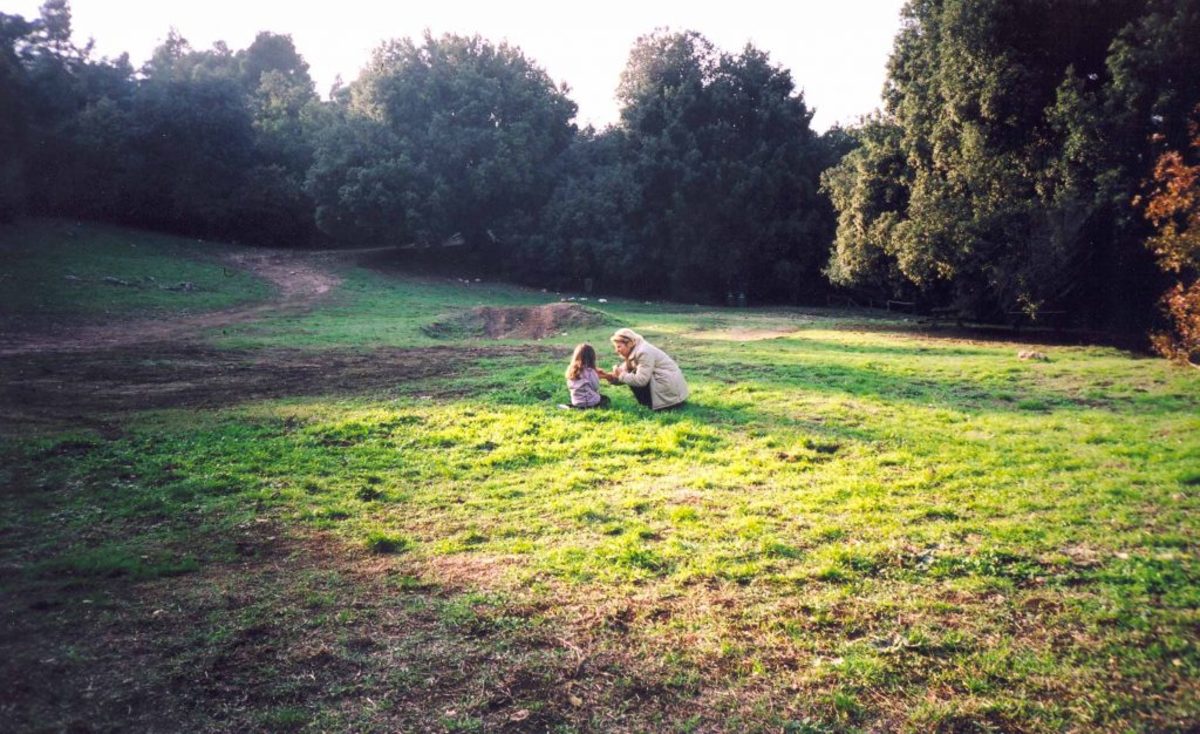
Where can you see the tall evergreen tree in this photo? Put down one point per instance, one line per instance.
(1022, 127)
(726, 168)
(14, 115)
(583, 235)
(205, 142)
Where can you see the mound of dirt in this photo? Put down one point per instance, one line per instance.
(532, 322)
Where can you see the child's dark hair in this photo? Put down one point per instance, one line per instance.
(584, 356)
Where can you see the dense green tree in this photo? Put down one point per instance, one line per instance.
(361, 181)
(207, 142)
(229, 136)
(726, 168)
(188, 146)
(282, 97)
(62, 85)
(768, 207)
(451, 136)
(1143, 111)
(869, 189)
(971, 84)
(272, 53)
(1023, 129)
(583, 234)
(273, 204)
(14, 115)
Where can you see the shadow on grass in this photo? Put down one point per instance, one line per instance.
(278, 631)
(1133, 342)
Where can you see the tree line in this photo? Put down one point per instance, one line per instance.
(455, 147)
(1007, 175)
(1007, 171)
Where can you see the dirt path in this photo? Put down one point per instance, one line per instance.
(91, 375)
(300, 279)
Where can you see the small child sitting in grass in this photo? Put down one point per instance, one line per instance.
(582, 379)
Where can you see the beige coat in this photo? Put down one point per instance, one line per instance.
(649, 365)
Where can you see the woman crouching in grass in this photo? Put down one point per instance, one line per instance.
(655, 379)
(582, 379)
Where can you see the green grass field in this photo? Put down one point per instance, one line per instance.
(855, 524)
(62, 270)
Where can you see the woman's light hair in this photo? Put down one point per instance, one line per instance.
(626, 335)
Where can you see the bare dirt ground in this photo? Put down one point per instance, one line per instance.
(300, 281)
(88, 376)
(85, 376)
(91, 388)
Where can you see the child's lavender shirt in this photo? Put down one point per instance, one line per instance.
(585, 389)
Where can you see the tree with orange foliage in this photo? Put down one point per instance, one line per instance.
(1174, 209)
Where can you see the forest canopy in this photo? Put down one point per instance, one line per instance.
(999, 180)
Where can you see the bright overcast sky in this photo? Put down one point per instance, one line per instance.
(835, 49)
